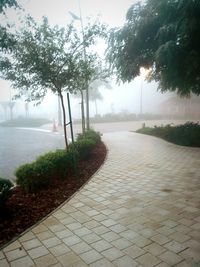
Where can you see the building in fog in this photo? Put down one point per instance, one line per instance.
(176, 107)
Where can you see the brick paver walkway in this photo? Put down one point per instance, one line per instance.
(141, 209)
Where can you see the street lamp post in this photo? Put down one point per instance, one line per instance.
(59, 112)
(144, 73)
(85, 58)
(141, 88)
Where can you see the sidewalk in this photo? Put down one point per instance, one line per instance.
(141, 209)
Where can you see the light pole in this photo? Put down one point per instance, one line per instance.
(144, 73)
(59, 113)
(141, 95)
(85, 58)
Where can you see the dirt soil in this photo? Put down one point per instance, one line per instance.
(25, 209)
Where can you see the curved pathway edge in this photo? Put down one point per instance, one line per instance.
(142, 208)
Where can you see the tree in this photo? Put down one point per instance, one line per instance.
(93, 64)
(95, 94)
(48, 58)
(86, 84)
(7, 3)
(164, 36)
(99, 74)
(6, 38)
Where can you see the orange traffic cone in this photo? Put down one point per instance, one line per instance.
(54, 129)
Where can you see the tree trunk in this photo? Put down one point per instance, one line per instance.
(96, 109)
(87, 109)
(82, 112)
(64, 119)
(59, 113)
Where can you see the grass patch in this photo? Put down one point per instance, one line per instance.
(25, 122)
(187, 134)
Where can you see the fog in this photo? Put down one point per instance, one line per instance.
(121, 98)
(137, 97)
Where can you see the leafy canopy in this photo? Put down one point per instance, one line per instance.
(164, 36)
(7, 3)
(6, 38)
(48, 58)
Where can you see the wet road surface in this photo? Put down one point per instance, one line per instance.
(19, 146)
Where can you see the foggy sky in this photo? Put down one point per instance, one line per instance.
(121, 97)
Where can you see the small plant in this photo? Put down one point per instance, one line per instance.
(5, 190)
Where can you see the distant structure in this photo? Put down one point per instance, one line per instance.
(7, 105)
(176, 107)
(26, 109)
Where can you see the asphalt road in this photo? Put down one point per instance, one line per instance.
(19, 146)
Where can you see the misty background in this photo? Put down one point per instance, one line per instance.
(136, 97)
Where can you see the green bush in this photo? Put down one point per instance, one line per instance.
(145, 130)
(5, 190)
(84, 147)
(41, 173)
(187, 134)
(90, 134)
(62, 161)
(34, 176)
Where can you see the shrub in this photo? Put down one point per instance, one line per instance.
(145, 130)
(84, 147)
(41, 173)
(90, 134)
(62, 161)
(187, 134)
(5, 190)
(34, 176)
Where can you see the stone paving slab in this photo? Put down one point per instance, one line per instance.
(141, 209)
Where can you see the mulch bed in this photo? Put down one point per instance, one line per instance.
(25, 209)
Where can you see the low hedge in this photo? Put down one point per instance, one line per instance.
(187, 134)
(59, 164)
(85, 147)
(61, 160)
(5, 190)
(86, 142)
(40, 173)
(90, 134)
(34, 176)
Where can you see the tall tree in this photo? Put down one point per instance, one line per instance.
(98, 77)
(48, 58)
(7, 3)
(6, 38)
(94, 89)
(164, 36)
(92, 67)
